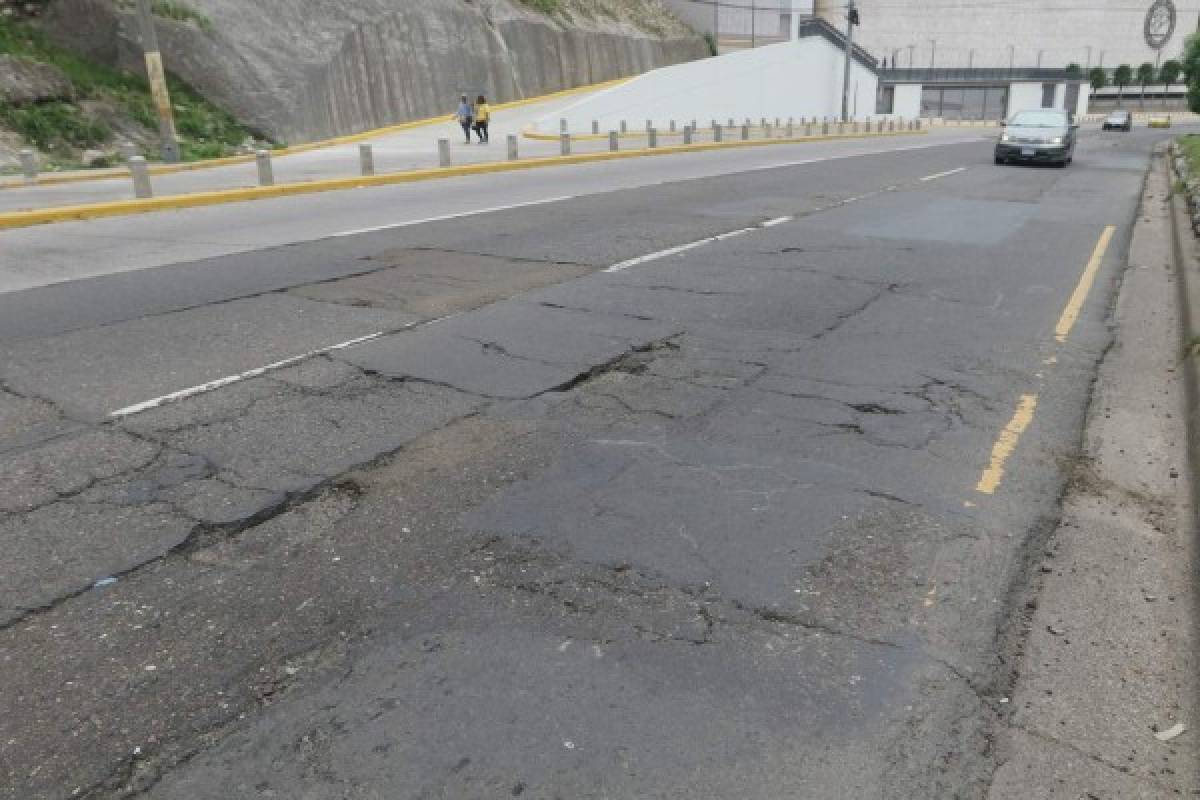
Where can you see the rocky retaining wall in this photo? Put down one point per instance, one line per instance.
(308, 69)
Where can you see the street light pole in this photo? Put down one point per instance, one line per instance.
(1089, 58)
(1012, 50)
(971, 58)
(851, 21)
(932, 53)
(911, 49)
(158, 82)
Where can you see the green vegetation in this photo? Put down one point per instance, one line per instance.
(1074, 72)
(1190, 147)
(1169, 72)
(59, 127)
(1098, 78)
(1191, 71)
(711, 41)
(1122, 77)
(544, 6)
(176, 10)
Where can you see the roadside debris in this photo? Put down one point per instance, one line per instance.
(1170, 733)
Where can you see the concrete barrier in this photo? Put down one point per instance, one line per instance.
(29, 166)
(512, 147)
(141, 178)
(266, 173)
(366, 160)
(444, 152)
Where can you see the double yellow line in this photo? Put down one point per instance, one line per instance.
(1006, 442)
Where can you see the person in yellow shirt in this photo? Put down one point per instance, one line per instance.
(483, 115)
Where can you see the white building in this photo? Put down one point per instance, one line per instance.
(1019, 33)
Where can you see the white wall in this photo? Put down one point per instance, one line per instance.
(1024, 96)
(907, 102)
(802, 78)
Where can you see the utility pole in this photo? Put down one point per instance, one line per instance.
(911, 49)
(971, 58)
(851, 21)
(932, 53)
(1039, 61)
(158, 82)
(1089, 59)
(1012, 51)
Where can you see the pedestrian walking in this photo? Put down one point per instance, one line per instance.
(483, 115)
(466, 116)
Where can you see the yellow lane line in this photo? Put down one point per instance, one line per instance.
(1006, 443)
(1071, 312)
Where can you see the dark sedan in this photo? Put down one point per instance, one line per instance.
(1044, 136)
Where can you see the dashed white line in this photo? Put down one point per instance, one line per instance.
(771, 223)
(192, 391)
(444, 217)
(937, 175)
(683, 248)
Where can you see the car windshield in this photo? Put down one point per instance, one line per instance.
(1039, 119)
(1117, 115)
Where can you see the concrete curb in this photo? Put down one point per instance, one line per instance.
(23, 219)
(1187, 271)
(79, 176)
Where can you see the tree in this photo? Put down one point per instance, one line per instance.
(1169, 72)
(1191, 70)
(1098, 78)
(1122, 76)
(1145, 74)
(1074, 72)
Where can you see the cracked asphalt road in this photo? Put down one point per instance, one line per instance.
(705, 527)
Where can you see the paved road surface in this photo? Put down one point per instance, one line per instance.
(707, 525)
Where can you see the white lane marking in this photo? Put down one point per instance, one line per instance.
(444, 217)
(683, 248)
(937, 175)
(192, 391)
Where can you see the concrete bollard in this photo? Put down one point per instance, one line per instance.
(266, 175)
(649, 125)
(366, 160)
(127, 150)
(672, 126)
(512, 147)
(768, 131)
(595, 126)
(825, 128)
(716, 132)
(624, 126)
(444, 152)
(745, 132)
(564, 144)
(687, 134)
(141, 177)
(841, 128)
(562, 125)
(651, 137)
(29, 166)
(613, 142)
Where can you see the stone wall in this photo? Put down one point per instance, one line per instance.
(307, 69)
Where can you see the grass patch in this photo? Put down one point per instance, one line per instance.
(1189, 145)
(56, 126)
(205, 131)
(544, 6)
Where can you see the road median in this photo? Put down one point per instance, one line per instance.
(22, 219)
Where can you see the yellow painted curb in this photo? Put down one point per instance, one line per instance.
(23, 219)
(51, 179)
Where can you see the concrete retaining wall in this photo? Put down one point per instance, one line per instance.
(792, 79)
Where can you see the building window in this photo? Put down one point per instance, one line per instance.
(931, 102)
(1048, 95)
(885, 99)
(976, 102)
